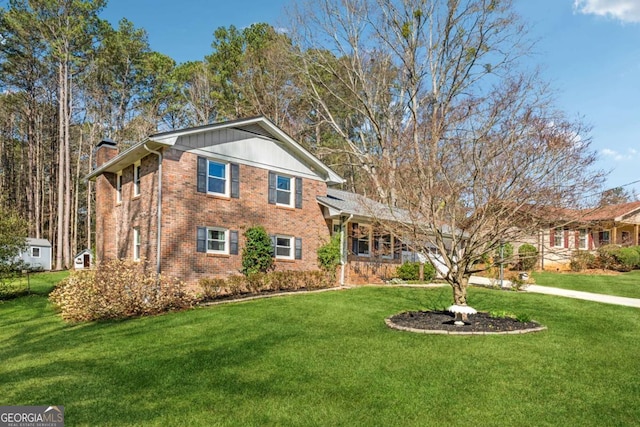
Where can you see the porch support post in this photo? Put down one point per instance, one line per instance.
(614, 235)
(635, 235)
(343, 247)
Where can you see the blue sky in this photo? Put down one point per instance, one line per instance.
(589, 51)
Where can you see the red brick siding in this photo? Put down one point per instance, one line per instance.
(115, 221)
(185, 209)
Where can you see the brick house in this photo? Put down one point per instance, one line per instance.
(586, 230)
(183, 199)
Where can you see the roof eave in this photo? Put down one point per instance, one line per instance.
(129, 156)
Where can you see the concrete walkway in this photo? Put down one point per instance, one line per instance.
(589, 296)
(607, 299)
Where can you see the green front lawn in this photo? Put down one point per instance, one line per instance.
(326, 359)
(623, 285)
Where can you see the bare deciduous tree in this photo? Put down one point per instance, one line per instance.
(443, 122)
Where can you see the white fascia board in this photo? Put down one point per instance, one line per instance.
(126, 158)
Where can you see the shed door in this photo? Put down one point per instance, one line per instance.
(86, 260)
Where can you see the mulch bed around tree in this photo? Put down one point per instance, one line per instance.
(442, 322)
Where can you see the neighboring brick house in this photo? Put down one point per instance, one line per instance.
(586, 230)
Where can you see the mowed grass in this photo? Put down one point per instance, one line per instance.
(623, 285)
(326, 359)
(34, 283)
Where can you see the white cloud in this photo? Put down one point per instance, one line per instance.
(631, 154)
(623, 10)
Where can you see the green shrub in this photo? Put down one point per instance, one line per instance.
(582, 260)
(607, 258)
(527, 257)
(507, 254)
(257, 253)
(116, 290)
(411, 271)
(613, 257)
(329, 255)
(627, 258)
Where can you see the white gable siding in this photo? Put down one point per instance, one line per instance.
(246, 148)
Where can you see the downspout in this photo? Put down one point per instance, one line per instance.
(343, 255)
(159, 214)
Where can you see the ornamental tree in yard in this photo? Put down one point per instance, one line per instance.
(459, 142)
(13, 234)
(257, 254)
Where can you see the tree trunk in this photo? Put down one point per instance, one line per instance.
(61, 170)
(460, 291)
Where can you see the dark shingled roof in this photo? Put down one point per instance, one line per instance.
(359, 205)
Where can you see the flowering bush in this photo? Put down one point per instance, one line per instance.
(117, 289)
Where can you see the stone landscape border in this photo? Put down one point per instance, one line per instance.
(392, 325)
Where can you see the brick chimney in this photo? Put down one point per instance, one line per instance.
(105, 202)
(105, 151)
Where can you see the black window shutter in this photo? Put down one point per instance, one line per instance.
(233, 242)
(235, 180)
(298, 247)
(202, 175)
(272, 188)
(273, 244)
(201, 239)
(298, 193)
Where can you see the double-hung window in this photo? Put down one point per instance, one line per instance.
(361, 240)
(583, 239)
(284, 187)
(217, 240)
(284, 247)
(217, 178)
(384, 246)
(558, 238)
(136, 244)
(285, 190)
(136, 178)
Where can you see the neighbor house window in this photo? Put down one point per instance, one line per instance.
(35, 252)
(284, 247)
(217, 240)
(626, 237)
(583, 239)
(119, 187)
(558, 238)
(284, 188)
(217, 178)
(136, 244)
(603, 237)
(136, 178)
